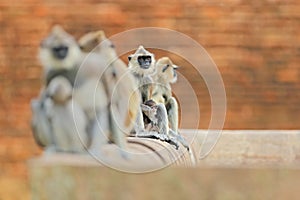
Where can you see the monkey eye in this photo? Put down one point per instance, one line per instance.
(112, 45)
(147, 58)
(165, 68)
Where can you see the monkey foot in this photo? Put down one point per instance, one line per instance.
(161, 137)
(179, 138)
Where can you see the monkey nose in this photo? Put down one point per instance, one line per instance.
(60, 52)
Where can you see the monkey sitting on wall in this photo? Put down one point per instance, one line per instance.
(60, 55)
(142, 66)
(162, 92)
(120, 84)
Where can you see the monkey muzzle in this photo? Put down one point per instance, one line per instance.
(60, 52)
(144, 61)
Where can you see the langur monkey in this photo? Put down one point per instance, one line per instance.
(142, 66)
(155, 117)
(120, 84)
(162, 92)
(156, 122)
(66, 122)
(60, 55)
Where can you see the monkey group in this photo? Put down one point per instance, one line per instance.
(158, 116)
(91, 98)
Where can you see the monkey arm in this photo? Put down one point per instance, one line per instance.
(146, 109)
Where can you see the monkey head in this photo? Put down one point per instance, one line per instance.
(150, 103)
(59, 89)
(149, 109)
(59, 50)
(142, 62)
(96, 41)
(166, 70)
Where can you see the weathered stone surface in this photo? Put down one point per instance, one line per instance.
(79, 181)
(254, 148)
(243, 165)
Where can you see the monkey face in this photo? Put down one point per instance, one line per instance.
(167, 70)
(59, 50)
(142, 62)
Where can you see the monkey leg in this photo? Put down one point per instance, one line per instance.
(162, 119)
(78, 128)
(172, 109)
(41, 127)
(139, 126)
(99, 132)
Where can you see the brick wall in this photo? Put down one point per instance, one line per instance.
(255, 44)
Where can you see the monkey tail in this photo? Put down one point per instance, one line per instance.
(132, 110)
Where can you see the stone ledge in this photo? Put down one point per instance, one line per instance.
(243, 165)
(252, 148)
(89, 183)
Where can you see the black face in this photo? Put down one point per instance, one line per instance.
(144, 61)
(60, 52)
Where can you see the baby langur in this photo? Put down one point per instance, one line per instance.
(119, 83)
(67, 119)
(162, 92)
(142, 66)
(60, 55)
(155, 117)
(156, 122)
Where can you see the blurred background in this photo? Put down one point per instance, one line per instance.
(255, 44)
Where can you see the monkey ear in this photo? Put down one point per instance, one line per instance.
(101, 35)
(129, 57)
(176, 67)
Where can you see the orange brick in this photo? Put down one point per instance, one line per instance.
(288, 75)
